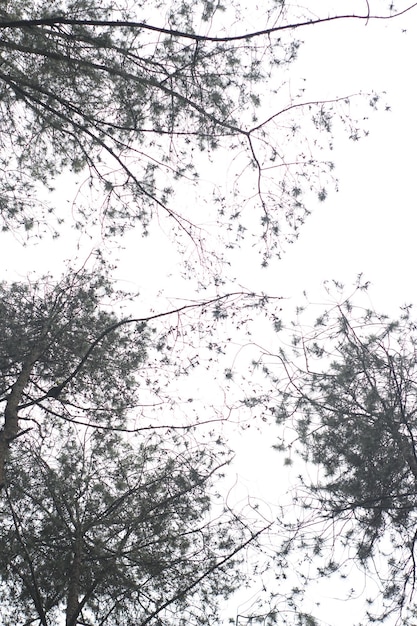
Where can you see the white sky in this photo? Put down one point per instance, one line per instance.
(369, 226)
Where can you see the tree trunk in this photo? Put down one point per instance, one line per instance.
(73, 605)
(11, 419)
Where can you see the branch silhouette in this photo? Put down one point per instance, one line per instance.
(55, 391)
(67, 21)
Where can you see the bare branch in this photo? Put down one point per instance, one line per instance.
(56, 21)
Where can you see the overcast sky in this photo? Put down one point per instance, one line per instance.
(370, 225)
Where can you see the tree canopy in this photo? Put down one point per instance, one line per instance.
(108, 92)
(111, 502)
(104, 515)
(109, 531)
(350, 396)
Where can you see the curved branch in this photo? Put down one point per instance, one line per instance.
(66, 21)
(55, 391)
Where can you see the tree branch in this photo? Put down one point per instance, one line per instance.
(55, 391)
(66, 21)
